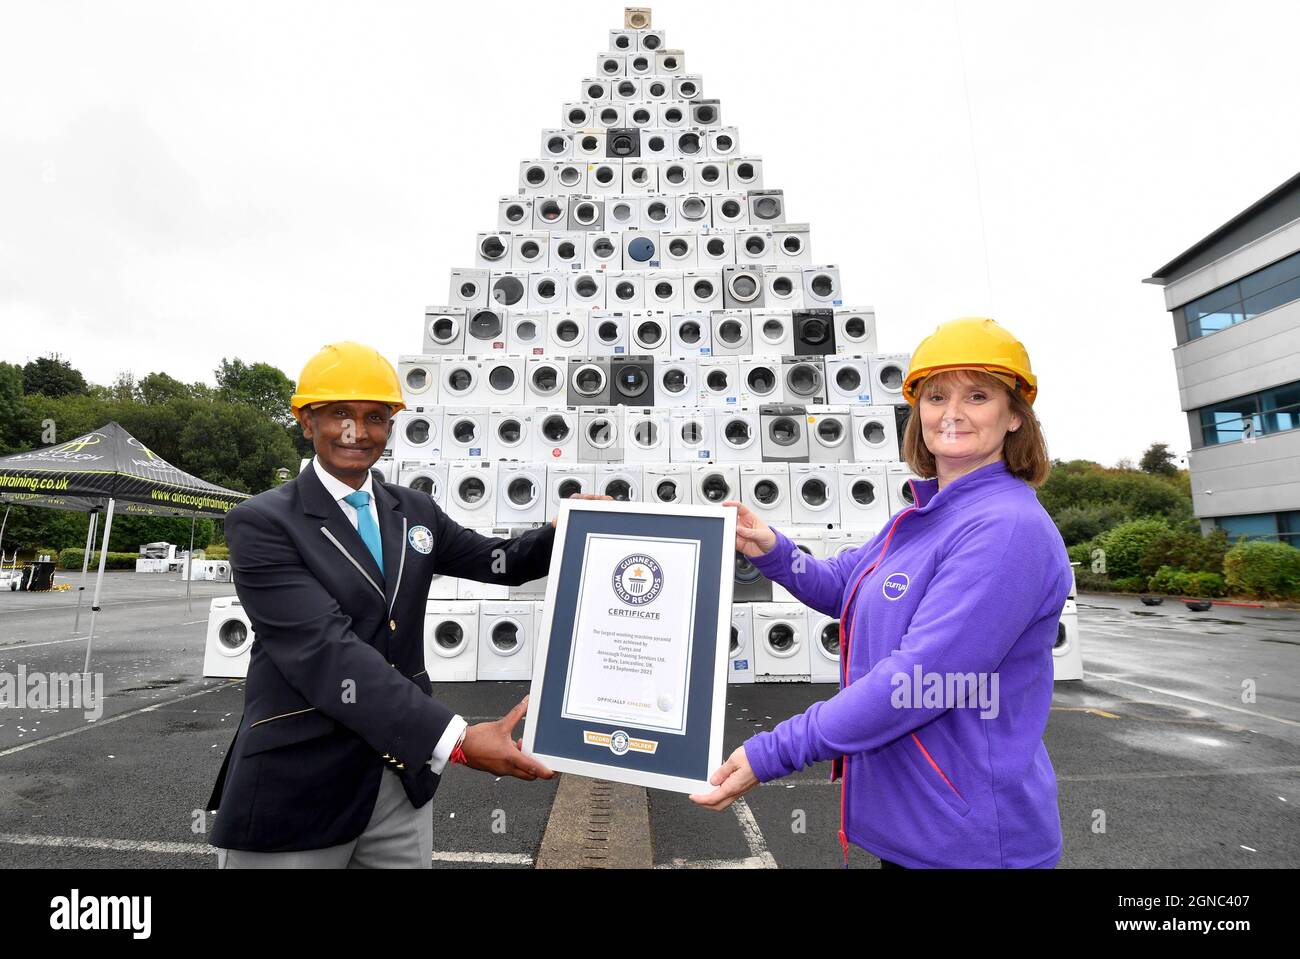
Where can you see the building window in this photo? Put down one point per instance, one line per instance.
(1268, 411)
(1273, 527)
(1244, 299)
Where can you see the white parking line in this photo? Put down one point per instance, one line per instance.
(753, 862)
(753, 835)
(1101, 677)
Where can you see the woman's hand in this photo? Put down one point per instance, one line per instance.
(753, 536)
(585, 496)
(733, 778)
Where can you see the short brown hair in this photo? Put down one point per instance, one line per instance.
(1024, 451)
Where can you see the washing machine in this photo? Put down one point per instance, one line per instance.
(485, 331)
(690, 334)
(521, 493)
(567, 333)
(465, 433)
(625, 90)
(558, 144)
(657, 143)
(632, 380)
(663, 290)
(784, 432)
(810, 540)
(740, 652)
(702, 290)
(719, 379)
(742, 287)
(468, 289)
(803, 379)
(864, 496)
(640, 249)
(841, 541)
(666, 483)
(568, 251)
(526, 333)
(783, 287)
(677, 176)
(722, 142)
(655, 211)
(531, 591)
(848, 378)
(544, 380)
(821, 286)
(738, 435)
(647, 434)
(729, 210)
(716, 249)
(419, 376)
(745, 173)
(823, 648)
(814, 494)
(713, 484)
(830, 434)
(604, 250)
(687, 87)
(564, 480)
(641, 64)
(606, 177)
(584, 213)
(793, 244)
(679, 250)
(1067, 660)
(608, 333)
(492, 250)
(897, 480)
(855, 330)
(781, 643)
(550, 213)
(711, 175)
(451, 641)
(510, 433)
(622, 481)
(417, 434)
(506, 636)
(590, 144)
(759, 380)
(625, 142)
(587, 289)
(693, 435)
(471, 492)
(612, 64)
(425, 477)
(706, 113)
(230, 637)
(765, 488)
(600, 434)
(501, 380)
(577, 115)
(887, 373)
(675, 381)
(814, 332)
(748, 584)
(555, 435)
(547, 290)
(648, 330)
(754, 248)
(515, 212)
(588, 381)
(444, 329)
(766, 206)
(875, 435)
(459, 378)
(731, 332)
(509, 290)
(672, 114)
(670, 62)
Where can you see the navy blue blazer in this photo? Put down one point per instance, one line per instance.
(337, 689)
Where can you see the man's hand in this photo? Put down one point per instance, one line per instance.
(733, 778)
(489, 747)
(585, 496)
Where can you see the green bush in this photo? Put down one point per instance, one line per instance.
(1080, 523)
(72, 559)
(1186, 550)
(1126, 544)
(1263, 570)
(1129, 584)
(1167, 579)
(217, 552)
(1089, 582)
(1081, 553)
(1203, 584)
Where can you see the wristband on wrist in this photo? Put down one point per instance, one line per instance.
(458, 754)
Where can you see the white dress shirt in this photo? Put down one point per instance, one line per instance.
(339, 489)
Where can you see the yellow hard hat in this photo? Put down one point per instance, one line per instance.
(972, 343)
(348, 371)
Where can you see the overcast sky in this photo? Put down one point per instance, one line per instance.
(185, 181)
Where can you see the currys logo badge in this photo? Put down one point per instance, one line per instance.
(894, 586)
(638, 579)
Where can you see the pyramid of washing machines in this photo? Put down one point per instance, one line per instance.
(645, 322)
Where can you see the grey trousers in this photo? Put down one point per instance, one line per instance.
(398, 836)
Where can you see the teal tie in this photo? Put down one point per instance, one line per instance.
(360, 501)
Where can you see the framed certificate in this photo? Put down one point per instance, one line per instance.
(630, 675)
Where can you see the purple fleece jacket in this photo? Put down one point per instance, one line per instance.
(973, 582)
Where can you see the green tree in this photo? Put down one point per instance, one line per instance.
(13, 409)
(157, 388)
(259, 385)
(52, 376)
(236, 446)
(1158, 459)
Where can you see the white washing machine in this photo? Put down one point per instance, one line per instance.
(740, 654)
(766, 206)
(855, 330)
(711, 175)
(716, 249)
(429, 478)
(694, 436)
(675, 381)
(506, 637)
(765, 488)
(444, 329)
(738, 435)
(465, 433)
(622, 481)
(745, 173)
(840, 541)
(887, 373)
(417, 434)
(451, 641)
(230, 637)
(468, 289)
(814, 494)
(677, 176)
(730, 210)
(897, 476)
(526, 333)
(419, 376)
(647, 434)
(600, 434)
(649, 333)
(731, 333)
(604, 250)
(679, 250)
(547, 290)
(545, 380)
(567, 334)
(773, 332)
(793, 244)
(754, 247)
(784, 430)
(666, 483)
(702, 289)
(492, 250)
(501, 380)
(516, 212)
(821, 286)
(486, 332)
(719, 379)
(783, 287)
(640, 176)
(564, 480)
(550, 213)
(663, 291)
(810, 540)
(875, 435)
(567, 251)
(864, 496)
(830, 434)
(1067, 658)
(640, 250)
(723, 142)
(691, 334)
(759, 380)
(459, 379)
(587, 289)
(848, 378)
(654, 211)
(823, 648)
(471, 492)
(781, 643)
(555, 435)
(715, 483)
(521, 493)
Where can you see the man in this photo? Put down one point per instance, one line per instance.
(341, 746)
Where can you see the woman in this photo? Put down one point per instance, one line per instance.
(948, 620)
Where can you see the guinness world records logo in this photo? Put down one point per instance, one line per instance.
(638, 579)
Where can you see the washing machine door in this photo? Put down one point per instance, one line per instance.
(522, 492)
(464, 431)
(556, 429)
(767, 492)
(546, 379)
(458, 379)
(827, 641)
(443, 329)
(504, 637)
(691, 432)
(863, 492)
(848, 379)
(815, 492)
(648, 334)
(469, 490)
(738, 433)
(567, 486)
(744, 286)
(714, 487)
(501, 377)
(234, 638)
(646, 434)
(889, 378)
(419, 431)
(602, 432)
(736, 646)
(633, 381)
(449, 638)
(872, 431)
(666, 489)
(417, 378)
(718, 381)
(622, 488)
(568, 332)
(511, 434)
(589, 380)
(781, 639)
(784, 431)
(803, 379)
(675, 381)
(831, 432)
(426, 483)
(761, 380)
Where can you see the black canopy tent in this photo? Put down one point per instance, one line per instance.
(95, 473)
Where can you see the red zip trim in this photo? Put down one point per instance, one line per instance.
(936, 767)
(846, 640)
